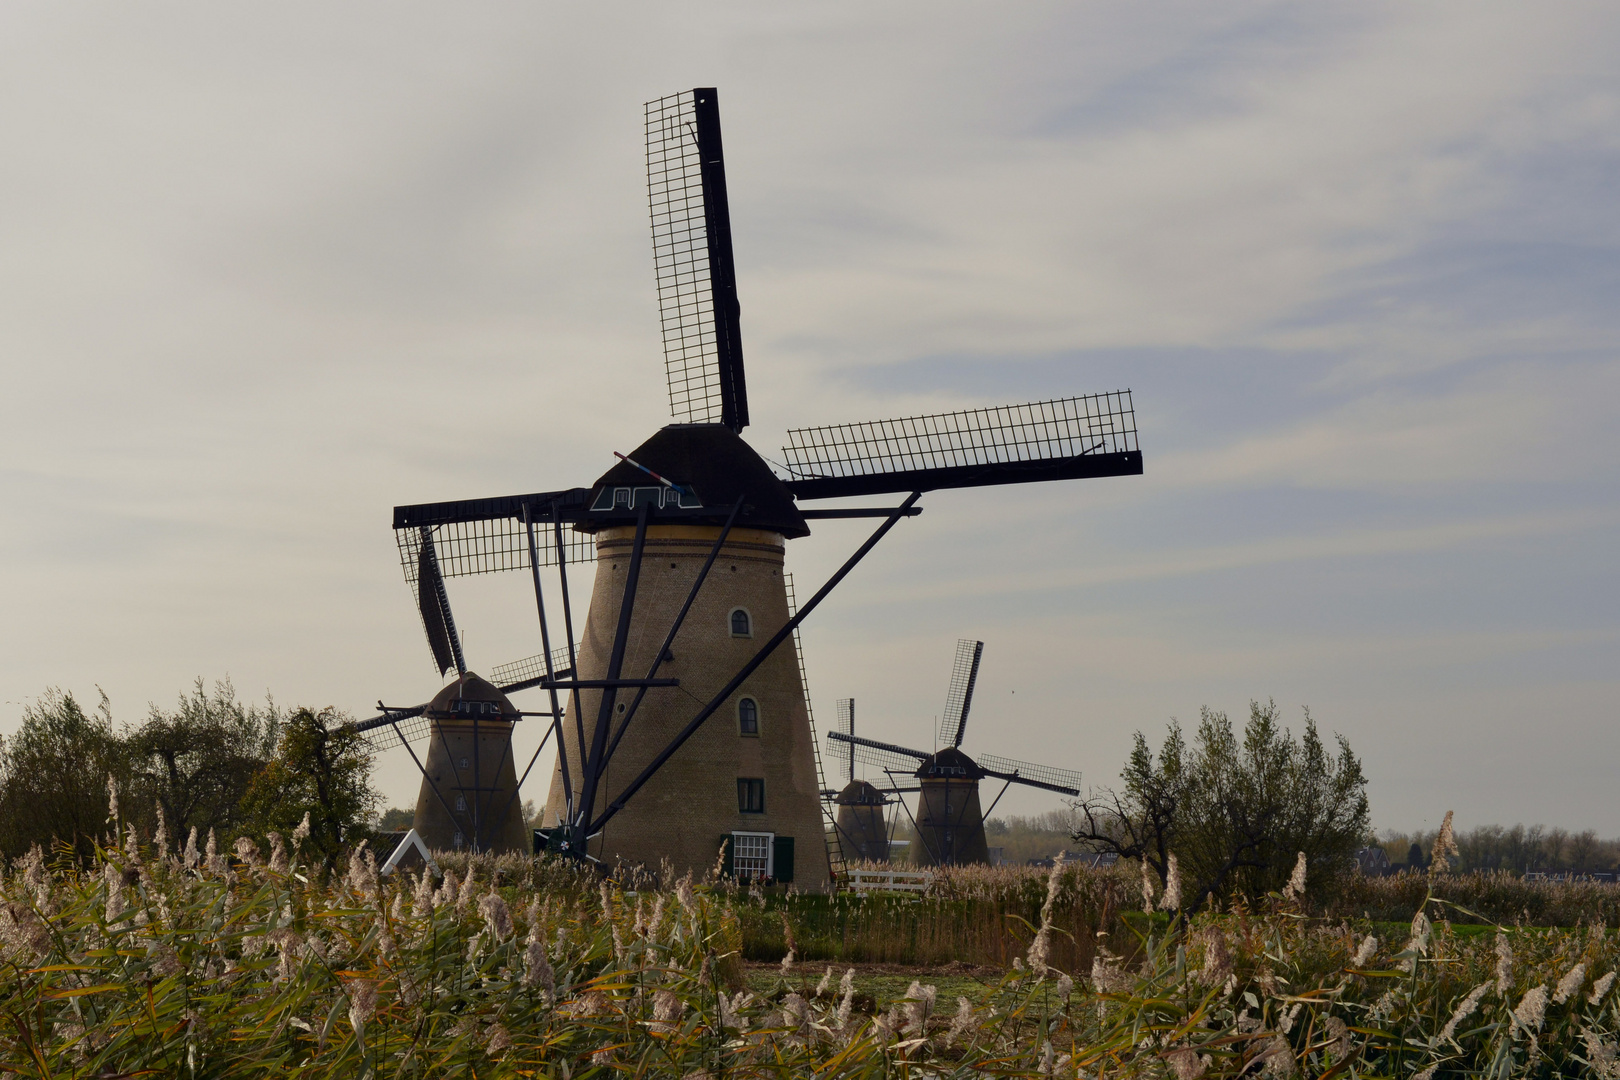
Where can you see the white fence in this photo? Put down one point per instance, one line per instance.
(911, 881)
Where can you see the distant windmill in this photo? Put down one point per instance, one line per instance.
(861, 827)
(949, 821)
(469, 793)
(685, 729)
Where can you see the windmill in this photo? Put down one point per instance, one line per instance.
(682, 728)
(949, 821)
(469, 793)
(861, 825)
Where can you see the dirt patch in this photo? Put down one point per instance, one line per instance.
(955, 969)
(877, 986)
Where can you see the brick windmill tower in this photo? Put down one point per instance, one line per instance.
(683, 727)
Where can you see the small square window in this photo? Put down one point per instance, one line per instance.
(750, 796)
(748, 716)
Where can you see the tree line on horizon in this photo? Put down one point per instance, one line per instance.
(210, 763)
(1519, 849)
(1236, 808)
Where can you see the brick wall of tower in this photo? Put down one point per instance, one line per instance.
(864, 833)
(950, 824)
(691, 802)
(487, 784)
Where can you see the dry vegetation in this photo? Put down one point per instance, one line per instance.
(189, 963)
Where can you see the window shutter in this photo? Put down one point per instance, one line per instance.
(730, 844)
(782, 858)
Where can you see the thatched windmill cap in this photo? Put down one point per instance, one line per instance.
(468, 697)
(717, 465)
(861, 793)
(950, 764)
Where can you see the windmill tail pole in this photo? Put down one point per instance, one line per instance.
(592, 768)
(748, 669)
(672, 485)
(551, 674)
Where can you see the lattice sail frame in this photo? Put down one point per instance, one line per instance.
(873, 755)
(1038, 431)
(1046, 774)
(414, 728)
(959, 697)
(681, 258)
(489, 546)
(531, 667)
(844, 724)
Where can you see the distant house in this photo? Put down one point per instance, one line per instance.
(1373, 861)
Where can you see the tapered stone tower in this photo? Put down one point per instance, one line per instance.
(467, 797)
(862, 831)
(747, 777)
(950, 823)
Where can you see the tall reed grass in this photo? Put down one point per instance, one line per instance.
(148, 962)
(1490, 895)
(977, 915)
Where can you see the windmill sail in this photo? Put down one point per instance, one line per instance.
(959, 698)
(378, 732)
(846, 724)
(697, 280)
(1064, 439)
(522, 674)
(485, 536)
(434, 605)
(1063, 781)
(884, 755)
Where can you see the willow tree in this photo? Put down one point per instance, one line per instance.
(54, 773)
(1235, 811)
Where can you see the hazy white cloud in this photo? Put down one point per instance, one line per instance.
(265, 273)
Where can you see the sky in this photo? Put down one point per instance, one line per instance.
(267, 271)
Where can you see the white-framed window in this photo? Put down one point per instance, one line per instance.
(459, 840)
(461, 802)
(748, 716)
(751, 854)
(742, 624)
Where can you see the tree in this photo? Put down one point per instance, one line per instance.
(199, 761)
(53, 775)
(396, 819)
(1582, 848)
(1553, 846)
(321, 768)
(1142, 820)
(1234, 812)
